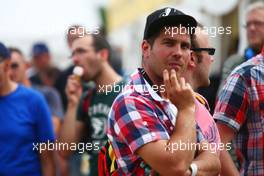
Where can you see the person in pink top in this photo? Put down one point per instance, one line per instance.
(207, 124)
(197, 75)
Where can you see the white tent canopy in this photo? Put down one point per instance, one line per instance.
(28, 21)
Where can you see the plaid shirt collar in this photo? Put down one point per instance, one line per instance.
(142, 87)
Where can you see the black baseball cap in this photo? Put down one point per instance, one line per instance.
(4, 52)
(167, 17)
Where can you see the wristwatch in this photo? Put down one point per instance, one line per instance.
(194, 169)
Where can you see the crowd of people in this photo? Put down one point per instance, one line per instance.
(153, 122)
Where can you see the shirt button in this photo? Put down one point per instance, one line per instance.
(153, 134)
(145, 123)
(171, 128)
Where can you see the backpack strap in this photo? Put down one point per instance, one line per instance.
(87, 100)
(107, 165)
(112, 158)
(102, 164)
(202, 100)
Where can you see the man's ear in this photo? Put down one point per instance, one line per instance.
(7, 65)
(145, 47)
(103, 54)
(193, 60)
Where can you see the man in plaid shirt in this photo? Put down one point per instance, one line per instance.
(240, 116)
(142, 124)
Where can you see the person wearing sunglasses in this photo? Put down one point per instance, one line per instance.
(201, 60)
(202, 57)
(18, 67)
(197, 74)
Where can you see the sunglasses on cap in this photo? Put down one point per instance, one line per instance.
(210, 51)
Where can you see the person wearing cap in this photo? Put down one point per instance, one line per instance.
(26, 127)
(155, 114)
(41, 59)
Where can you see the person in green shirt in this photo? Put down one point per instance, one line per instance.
(87, 110)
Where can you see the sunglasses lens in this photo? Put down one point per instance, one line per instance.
(14, 65)
(211, 51)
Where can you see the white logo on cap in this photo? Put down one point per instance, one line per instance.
(166, 12)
